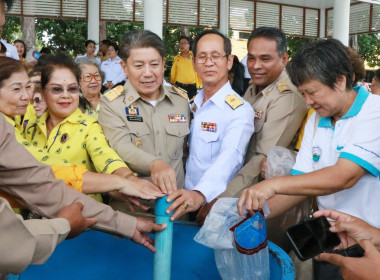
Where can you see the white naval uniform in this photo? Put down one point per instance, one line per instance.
(356, 137)
(11, 50)
(216, 156)
(113, 71)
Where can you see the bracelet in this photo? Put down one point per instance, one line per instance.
(131, 174)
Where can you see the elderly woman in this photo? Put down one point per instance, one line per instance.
(339, 158)
(16, 91)
(90, 85)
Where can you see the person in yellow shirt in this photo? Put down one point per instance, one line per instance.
(15, 93)
(182, 72)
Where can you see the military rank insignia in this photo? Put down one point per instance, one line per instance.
(259, 114)
(177, 118)
(64, 138)
(233, 101)
(133, 114)
(208, 126)
(282, 86)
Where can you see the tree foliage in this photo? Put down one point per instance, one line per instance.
(369, 48)
(295, 43)
(12, 29)
(67, 33)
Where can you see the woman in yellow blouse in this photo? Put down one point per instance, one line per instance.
(15, 93)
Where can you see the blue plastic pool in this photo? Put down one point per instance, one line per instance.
(95, 255)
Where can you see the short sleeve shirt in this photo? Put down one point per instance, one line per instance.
(356, 137)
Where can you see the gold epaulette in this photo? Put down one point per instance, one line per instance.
(112, 94)
(233, 101)
(180, 91)
(282, 86)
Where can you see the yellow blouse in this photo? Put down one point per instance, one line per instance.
(71, 174)
(78, 139)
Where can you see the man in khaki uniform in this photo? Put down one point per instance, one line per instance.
(279, 107)
(146, 123)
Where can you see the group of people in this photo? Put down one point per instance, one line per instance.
(131, 141)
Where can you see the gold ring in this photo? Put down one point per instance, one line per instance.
(186, 205)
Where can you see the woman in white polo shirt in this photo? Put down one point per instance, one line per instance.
(339, 159)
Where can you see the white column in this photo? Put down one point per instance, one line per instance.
(93, 20)
(153, 16)
(322, 23)
(224, 11)
(341, 21)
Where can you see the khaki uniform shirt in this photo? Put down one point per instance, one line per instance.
(140, 132)
(27, 242)
(279, 112)
(32, 184)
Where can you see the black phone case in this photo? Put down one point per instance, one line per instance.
(317, 234)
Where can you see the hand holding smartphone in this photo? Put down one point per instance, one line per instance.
(312, 237)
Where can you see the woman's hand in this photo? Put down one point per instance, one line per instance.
(141, 188)
(255, 196)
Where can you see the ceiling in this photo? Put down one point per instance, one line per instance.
(319, 4)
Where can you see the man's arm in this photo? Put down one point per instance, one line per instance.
(27, 242)
(32, 184)
(283, 118)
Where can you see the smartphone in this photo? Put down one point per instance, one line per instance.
(312, 237)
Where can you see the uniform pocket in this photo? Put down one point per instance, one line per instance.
(140, 137)
(175, 139)
(208, 146)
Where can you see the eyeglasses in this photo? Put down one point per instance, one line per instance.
(88, 77)
(214, 58)
(184, 43)
(37, 100)
(57, 90)
(111, 50)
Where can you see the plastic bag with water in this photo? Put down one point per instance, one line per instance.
(248, 235)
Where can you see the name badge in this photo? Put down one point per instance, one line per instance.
(177, 118)
(208, 126)
(134, 118)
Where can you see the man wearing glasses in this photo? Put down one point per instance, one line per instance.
(220, 131)
(182, 72)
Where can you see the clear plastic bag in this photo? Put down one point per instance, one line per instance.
(215, 233)
(280, 162)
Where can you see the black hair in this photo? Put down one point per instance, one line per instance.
(322, 60)
(89, 42)
(270, 33)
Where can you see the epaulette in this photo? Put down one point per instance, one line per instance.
(180, 91)
(112, 94)
(282, 86)
(233, 101)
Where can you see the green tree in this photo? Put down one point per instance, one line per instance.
(369, 48)
(69, 34)
(12, 29)
(295, 43)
